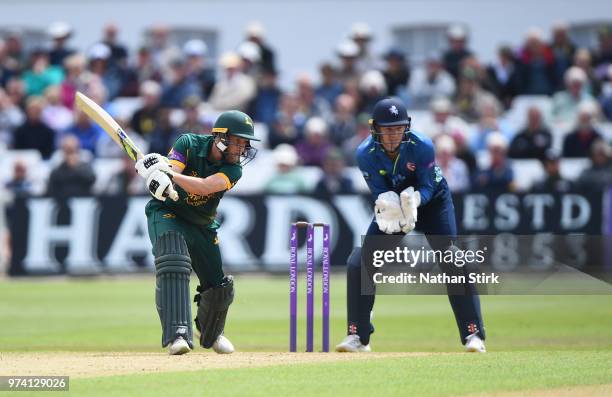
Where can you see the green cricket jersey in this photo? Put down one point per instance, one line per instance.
(190, 153)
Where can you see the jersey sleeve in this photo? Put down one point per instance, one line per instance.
(426, 173)
(179, 152)
(231, 174)
(375, 181)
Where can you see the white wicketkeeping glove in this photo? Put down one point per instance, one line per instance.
(388, 210)
(410, 200)
(160, 185)
(152, 162)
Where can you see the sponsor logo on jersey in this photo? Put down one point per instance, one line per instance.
(438, 174)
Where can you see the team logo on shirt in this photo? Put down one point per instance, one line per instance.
(197, 200)
(411, 166)
(438, 174)
(393, 110)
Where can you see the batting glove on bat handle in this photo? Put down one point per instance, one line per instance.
(170, 192)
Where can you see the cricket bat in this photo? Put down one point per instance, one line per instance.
(113, 129)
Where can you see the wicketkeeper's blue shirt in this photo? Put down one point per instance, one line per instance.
(415, 166)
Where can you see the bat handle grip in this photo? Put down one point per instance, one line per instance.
(170, 192)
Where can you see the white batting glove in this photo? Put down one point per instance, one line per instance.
(152, 162)
(410, 200)
(160, 185)
(388, 210)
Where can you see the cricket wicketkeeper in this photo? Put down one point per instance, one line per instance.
(184, 233)
(410, 193)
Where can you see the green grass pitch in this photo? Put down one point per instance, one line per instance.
(534, 342)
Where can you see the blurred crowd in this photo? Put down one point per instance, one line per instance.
(467, 107)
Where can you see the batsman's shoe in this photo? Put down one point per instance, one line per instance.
(474, 344)
(223, 345)
(178, 347)
(352, 344)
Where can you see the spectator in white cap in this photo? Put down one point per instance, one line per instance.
(442, 121)
(373, 88)
(565, 103)
(361, 34)
(234, 90)
(195, 51)
(99, 55)
(348, 52)
(251, 58)
(584, 60)
(578, 143)
(144, 120)
(454, 170)
(429, 82)
(254, 33)
(59, 32)
(457, 49)
(288, 179)
(119, 53)
(498, 176)
(313, 148)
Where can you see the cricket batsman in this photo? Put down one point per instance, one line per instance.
(184, 233)
(410, 193)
